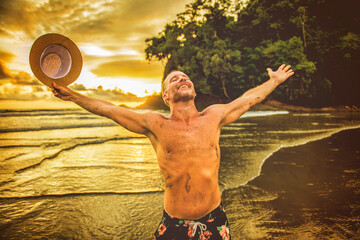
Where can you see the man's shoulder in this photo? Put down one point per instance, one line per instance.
(213, 109)
(153, 116)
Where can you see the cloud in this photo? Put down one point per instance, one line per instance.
(111, 24)
(113, 95)
(24, 78)
(20, 85)
(116, 94)
(23, 86)
(33, 18)
(118, 26)
(96, 19)
(77, 87)
(6, 56)
(130, 68)
(19, 78)
(4, 71)
(4, 33)
(23, 92)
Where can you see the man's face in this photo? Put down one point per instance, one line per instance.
(178, 87)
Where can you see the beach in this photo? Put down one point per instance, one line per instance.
(68, 174)
(309, 191)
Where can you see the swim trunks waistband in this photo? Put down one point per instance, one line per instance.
(214, 213)
(213, 226)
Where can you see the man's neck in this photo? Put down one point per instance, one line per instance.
(184, 111)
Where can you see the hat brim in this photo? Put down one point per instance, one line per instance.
(38, 48)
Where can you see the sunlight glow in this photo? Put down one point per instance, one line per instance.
(132, 85)
(98, 51)
(137, 86)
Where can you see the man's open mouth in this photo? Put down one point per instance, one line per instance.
(183, 86)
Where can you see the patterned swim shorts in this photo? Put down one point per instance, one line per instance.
(213, 226)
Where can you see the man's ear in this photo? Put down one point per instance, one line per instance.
(165, 97)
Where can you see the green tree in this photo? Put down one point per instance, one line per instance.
(218, 63)
(225, 48)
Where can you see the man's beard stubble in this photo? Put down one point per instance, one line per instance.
(180, 97)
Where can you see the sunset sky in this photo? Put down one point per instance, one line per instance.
(110, 34)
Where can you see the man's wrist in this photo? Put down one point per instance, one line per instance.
(276, 83)
(75, 97)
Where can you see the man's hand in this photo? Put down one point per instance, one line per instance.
(281, 74)
(64, 93)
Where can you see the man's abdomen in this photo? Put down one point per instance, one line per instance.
(192, 194)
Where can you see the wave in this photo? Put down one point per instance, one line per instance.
(303, 131)
(311, 114)
(262, 113)
(119, 165)
(50, 112)
(56, 139)
(70, 194)
(21, 146)
(86, 115)
(30, 129)
(15, 156)
(98, 141)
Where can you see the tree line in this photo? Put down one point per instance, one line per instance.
(225, 47)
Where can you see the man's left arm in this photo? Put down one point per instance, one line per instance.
(233, 110)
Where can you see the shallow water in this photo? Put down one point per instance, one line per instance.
(71, 174)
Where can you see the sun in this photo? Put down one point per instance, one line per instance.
(93, 50)
(138, 86)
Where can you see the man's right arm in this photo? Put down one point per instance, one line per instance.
(133, 121)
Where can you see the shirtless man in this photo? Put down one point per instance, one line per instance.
(187, 149)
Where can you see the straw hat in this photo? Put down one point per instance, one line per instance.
(55, 58)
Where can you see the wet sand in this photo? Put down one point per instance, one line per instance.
(309, 191)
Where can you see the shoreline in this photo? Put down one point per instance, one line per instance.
(314, 139)
(155, 102)
(294, 108)
(304, 191)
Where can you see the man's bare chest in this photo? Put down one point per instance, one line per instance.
(191, 137)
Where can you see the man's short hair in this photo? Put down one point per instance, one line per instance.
(163, 85)
(173, 70)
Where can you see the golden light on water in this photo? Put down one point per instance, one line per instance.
(43, 104)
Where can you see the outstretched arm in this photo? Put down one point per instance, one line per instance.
(134, 122)
(233, 110)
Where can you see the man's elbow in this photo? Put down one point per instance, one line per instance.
(255, 101)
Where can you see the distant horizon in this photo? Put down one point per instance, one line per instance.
(43, 104)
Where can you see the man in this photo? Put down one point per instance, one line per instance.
(187, 148)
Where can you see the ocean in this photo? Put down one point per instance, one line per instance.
(69, 174)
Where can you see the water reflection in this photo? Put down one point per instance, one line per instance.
(95, 180)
